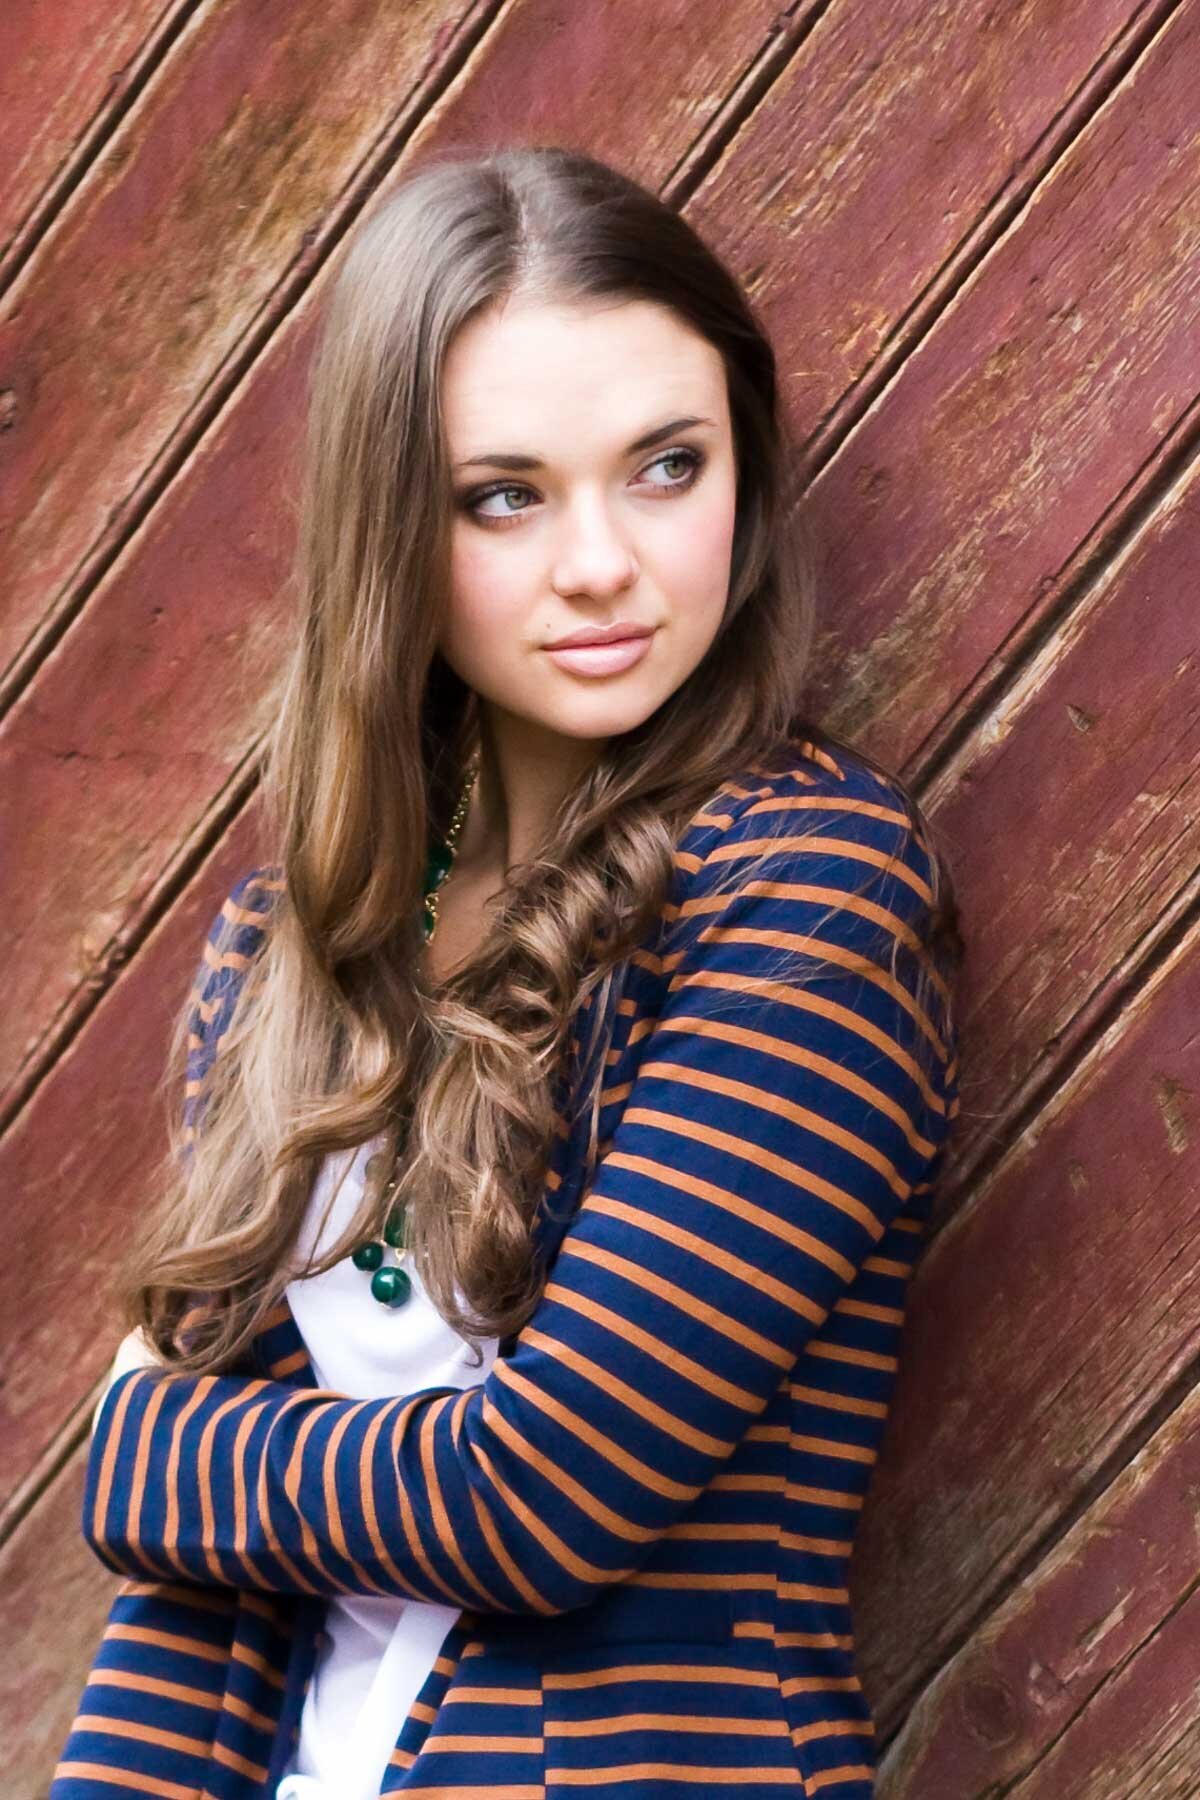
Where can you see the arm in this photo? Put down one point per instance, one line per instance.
(772, 1133)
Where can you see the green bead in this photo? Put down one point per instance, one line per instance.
(391, 1286)
(438, 865)
(367, 1256)
(376, 1167)
(393, 1231)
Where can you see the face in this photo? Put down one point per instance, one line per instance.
(565, 520)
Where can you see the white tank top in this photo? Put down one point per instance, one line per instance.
(378, 1650)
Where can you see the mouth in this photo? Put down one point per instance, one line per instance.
(617, 632)
(608, 656)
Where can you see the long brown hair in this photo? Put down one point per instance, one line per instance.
(337, 1033)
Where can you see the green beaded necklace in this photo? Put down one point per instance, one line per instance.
(392, 1285)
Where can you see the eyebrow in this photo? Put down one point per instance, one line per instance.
(500, 460)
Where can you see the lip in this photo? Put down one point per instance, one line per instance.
(602, 658)
(601, 634)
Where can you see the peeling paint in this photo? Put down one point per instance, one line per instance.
(1168, 1094)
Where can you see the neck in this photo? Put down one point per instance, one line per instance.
(525, 773)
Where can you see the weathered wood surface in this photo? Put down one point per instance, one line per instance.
(1046, 1697)
(56, 1598)
(972, 232)
(1022, 421)
(1142, 1734)
(66, 73)
(1073, 810)
(188, 235)
(1049, 1316)
(1094, 756)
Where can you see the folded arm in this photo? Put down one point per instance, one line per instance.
(774, 1130)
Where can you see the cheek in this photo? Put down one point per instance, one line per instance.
(485, 597)
(713, 542)
(698, 574)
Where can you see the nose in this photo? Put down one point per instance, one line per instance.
(591, 555)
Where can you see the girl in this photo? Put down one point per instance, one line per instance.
(565, 1100)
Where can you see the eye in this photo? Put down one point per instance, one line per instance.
(691, 460)
(472, 503)
(501, 491)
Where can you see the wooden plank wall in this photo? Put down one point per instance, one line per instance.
(973, 231)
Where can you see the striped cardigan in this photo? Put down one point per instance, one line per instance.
(647, 1509)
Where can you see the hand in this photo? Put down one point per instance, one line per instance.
(133, 1352)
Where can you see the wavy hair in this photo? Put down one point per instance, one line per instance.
(338, 1035)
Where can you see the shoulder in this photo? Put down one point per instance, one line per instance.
(814, 813)
(812, 869)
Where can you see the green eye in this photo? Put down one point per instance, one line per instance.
(692, 461)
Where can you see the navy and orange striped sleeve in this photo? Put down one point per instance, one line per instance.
(232, 942)
(789, 1096)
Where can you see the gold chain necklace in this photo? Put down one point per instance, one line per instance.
(391, 1284)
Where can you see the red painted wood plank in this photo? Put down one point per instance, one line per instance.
(201, 205)
(873, 159)
(1021, 1702)
(62, 70)
(1046, 1318)
(1073, 812)
(1072, 820)
(1141, 1735)
(1023, 418)
(54, 1601)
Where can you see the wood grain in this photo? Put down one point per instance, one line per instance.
(1047, 1318)
(1086, 1661)
(56, 1598)
(66, 74)
(1073, 814)
(204, 203)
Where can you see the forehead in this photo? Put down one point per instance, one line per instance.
(555, 379)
